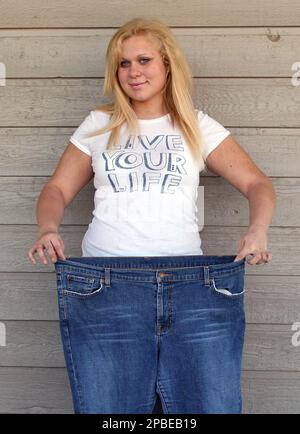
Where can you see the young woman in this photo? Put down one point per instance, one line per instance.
(143, 311)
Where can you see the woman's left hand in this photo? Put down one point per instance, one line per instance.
(254, 243)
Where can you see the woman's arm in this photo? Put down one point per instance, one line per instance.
(230, 161)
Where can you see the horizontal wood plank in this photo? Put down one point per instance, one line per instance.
(223, 204)
(268, 347)
(215, 52)
(19, 145)
(94, 13)
(236, 102)
(32, 296)
(271, 392)
(23, 391)
(216, 240)
(35, 391)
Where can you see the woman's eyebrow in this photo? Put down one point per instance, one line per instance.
(143, 54)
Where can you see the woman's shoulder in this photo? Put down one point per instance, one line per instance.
(100, 114)
(200, 114)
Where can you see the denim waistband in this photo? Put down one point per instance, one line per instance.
(147, 268)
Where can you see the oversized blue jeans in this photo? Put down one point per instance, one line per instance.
(137, 326)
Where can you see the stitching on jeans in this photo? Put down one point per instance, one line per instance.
(216, 273)
(83, 294)
(75, 377)
(220, 290)
(170, 306)
(61, 299)
(89, 266)
(162, 397)
(94, 272)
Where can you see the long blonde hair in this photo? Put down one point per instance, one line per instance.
(176, 94)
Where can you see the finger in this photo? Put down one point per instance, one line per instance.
(255, 259)
(241, 255)
(61, 242)
(260, 259)
(59, 249)
(237, 258)
(62, 255)
(41, 254)
(51, 251)
(268, 257)
(31, 255)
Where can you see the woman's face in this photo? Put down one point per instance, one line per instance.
(141, 62)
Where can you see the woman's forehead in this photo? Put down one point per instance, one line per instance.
(140, 43)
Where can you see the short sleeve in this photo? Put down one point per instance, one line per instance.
(79, 137)
(213, 132)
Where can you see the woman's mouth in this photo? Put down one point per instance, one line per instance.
(138, 85)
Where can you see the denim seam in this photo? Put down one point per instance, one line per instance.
(76, 382)
(226, 273)
(162, 397)
(61, 298)
(221, 294)
(100, 274)
(169, 310)
(82, 294)
(97, 268)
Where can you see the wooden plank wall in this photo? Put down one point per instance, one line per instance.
(241, 54)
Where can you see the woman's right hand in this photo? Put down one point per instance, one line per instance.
(52, 242)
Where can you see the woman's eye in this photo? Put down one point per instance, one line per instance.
(125, 61)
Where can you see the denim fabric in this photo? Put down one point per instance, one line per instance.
(136, 326)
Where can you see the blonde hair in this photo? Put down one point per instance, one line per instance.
(176, 94)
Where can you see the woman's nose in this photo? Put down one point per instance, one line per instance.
(134, 70)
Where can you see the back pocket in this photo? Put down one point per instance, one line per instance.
(79, 285)
(228, 286)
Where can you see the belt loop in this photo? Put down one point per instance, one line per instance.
(107, 276)
(206, 276)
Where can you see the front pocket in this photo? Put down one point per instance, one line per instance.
(82, 285)
(231, 286)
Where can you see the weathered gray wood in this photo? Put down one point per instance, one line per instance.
(271, 392)
(22, 194)
(23, 391)
(272, 299)
(238, 102)
(283, 243)
(210, 52)
(32, 151)
(38, 343)
(37, 13)
(32, 296)
(269, 347)
(35, 390)
(28, 296)
(19, 145)
(223, 204)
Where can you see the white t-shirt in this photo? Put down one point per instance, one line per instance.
(145, 203)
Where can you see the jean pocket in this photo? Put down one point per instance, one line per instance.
(79, 285)
(231, 286)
